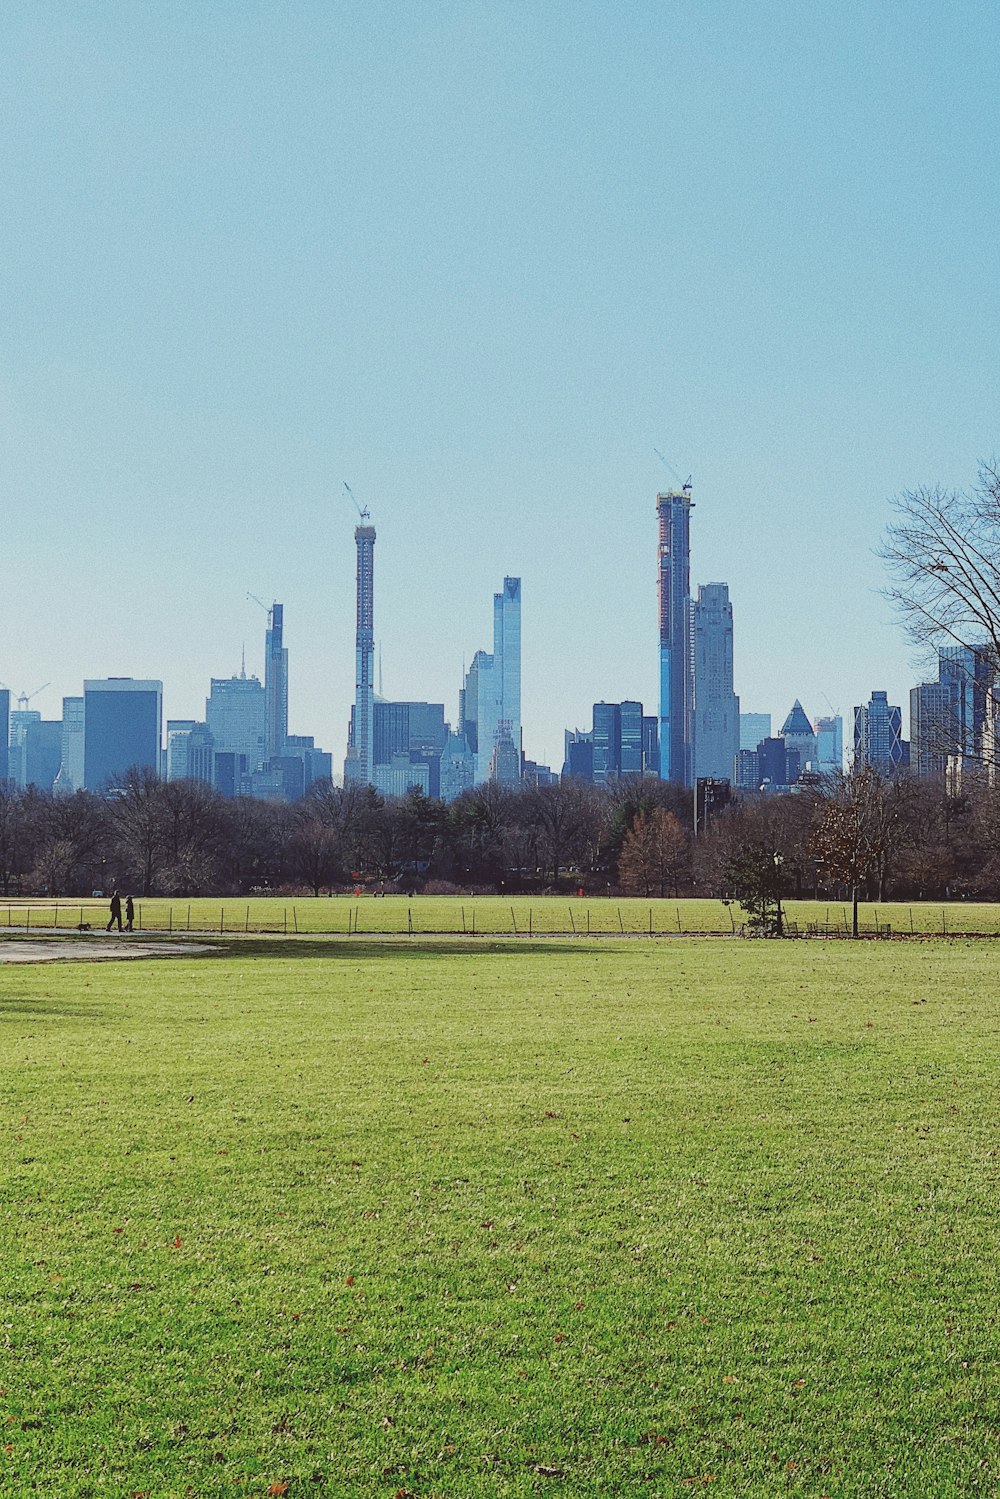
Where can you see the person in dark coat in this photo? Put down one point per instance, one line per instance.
(129, 912)
(116, 911)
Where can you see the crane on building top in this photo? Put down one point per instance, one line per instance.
(24, 698)
(365, 514)
(686, 485)
(267, 608)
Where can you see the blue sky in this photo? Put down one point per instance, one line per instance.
(479, 260)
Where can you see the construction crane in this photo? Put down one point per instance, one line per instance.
(365, 514)
(24, 698)
(267, 608)
(686, 485)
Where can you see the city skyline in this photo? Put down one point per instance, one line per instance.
(483, 288)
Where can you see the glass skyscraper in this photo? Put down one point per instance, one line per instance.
(676, 674)
(122, 728)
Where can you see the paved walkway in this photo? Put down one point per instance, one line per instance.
(77, 950)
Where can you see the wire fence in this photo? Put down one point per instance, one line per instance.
(489, 918)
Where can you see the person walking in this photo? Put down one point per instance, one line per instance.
(116, 911)
(129, 912)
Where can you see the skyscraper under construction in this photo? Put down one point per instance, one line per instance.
(676, 645)
(360, 762)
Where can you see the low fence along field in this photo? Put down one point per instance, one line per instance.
(483, 916)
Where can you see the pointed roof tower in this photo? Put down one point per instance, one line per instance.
(796, 722)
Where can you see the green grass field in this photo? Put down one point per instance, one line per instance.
(436, 1218)
(496, 915)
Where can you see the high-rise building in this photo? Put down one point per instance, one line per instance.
(716, 706)
(933, 729)
(35, 750)
(650, 744)
(457, 771)
(122, 729)
(275, 682)
(753, 728)
(179, 731)
(491, 697)
(416, 731)
(829, 744)
(507, 658)
(236, 717)
(676, 673)
(359, 765)
(799, 735)
(630, 756)
(71, 752)
(4, 735)
(607, 742)
(878, 736)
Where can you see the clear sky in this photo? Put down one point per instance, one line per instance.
(479, 259)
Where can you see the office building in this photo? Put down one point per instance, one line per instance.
(457, 768)
(606, 740)
(71, 749)
(716, 706)
(275, 683)
(35, 750)
(753, 728)
(650, 744)
(236, 717)
(4, 735)
(676, 668)
(878, 736)
(490, 700)
(122, 729)
(630, 744)
(778, 767)
(359, 766)
(179, 732)
(933, 729)
(799, 735)
(747, 770)
(829, 744)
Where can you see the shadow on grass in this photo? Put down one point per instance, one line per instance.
(42, 1007)
(352, 948)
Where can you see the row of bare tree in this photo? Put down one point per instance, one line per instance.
(181, 838)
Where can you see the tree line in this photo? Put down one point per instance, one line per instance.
(858, 833)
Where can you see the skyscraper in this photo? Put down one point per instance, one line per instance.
(70, 777)
(933, 728)
(798, 734)
(753, 728)
(122, 728)
(878, 736)
(507, 655)
(676, 675)
(829, 743)
(491, 697)
(359, 764)
(275, 683)
(716, 706)
(236, 719)
(4, 734)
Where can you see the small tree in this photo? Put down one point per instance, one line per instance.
(755, 873)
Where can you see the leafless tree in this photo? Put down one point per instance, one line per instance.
(857, 832)
(943, 553)
(656, 854)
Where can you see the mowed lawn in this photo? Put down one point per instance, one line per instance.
(491, 915)
(425, 1219)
